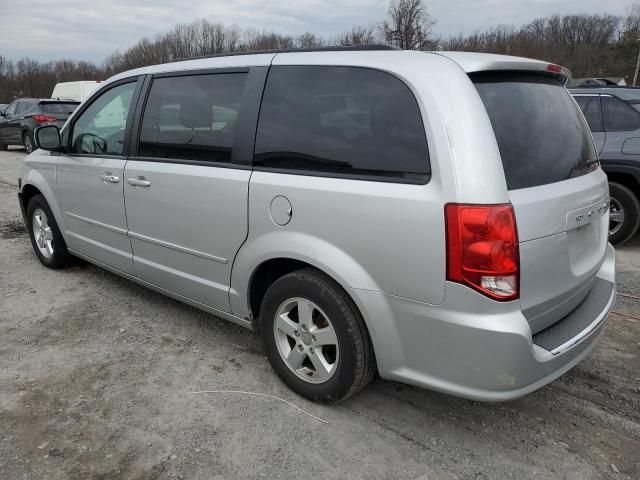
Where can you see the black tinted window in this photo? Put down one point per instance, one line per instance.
(590, 106)
(618, 116)
(541, 137)
(342, 120)
(192, 117)
(58, 107)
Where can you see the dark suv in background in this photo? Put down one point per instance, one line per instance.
(613, 114)
(21, 117)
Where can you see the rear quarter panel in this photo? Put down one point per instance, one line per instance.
(379, 236)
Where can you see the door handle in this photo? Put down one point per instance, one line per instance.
(138, 182)
(106, 177)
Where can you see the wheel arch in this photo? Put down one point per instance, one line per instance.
(627, 179)
(34, 183)
(265, 259)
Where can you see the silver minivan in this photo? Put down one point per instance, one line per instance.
(438, 218)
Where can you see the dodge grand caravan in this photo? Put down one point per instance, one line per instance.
(438, 218)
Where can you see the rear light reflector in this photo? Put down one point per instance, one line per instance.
(44, 118)
(482, 249)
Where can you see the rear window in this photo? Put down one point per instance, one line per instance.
(541, 137)
(341, 121)
(58, 107)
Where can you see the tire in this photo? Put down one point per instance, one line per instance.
(52, 252)
(334, 315)
(28, 142)
(625, 204)
(3, 147)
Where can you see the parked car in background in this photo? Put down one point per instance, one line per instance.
(78, 91)
(613, 114)
(24, 115)
(448, 229)
(2, 107)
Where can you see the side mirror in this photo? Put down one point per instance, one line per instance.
(48, 138)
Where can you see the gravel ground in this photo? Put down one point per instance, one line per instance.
(95, 375)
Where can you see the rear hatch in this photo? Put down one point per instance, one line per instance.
(558, 192)
(61, 110)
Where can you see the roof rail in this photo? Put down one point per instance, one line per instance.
(586, 87)
(328, 48)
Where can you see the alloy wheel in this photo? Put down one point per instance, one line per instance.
(28, 143)
(616, 216)
(42, 233)
(306, 340)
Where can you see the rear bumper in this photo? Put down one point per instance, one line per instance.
(477, 348)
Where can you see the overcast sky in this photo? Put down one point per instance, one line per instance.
(90, 30)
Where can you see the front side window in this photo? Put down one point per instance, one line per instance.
(590, 106)
(11, 109)
(341, 120)
(192, 117)
(100, 129)
(619, 116)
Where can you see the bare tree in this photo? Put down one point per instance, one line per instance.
(409, 25)
(357, 36)
(309, 40)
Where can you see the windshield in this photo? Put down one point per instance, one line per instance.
(58, 107)
(541, 134)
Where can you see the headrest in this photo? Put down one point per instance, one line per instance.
(196, 112)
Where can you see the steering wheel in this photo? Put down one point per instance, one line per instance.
(90, 143)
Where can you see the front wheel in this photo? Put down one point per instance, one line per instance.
(624, 213)
(315, 338)
(45, 235)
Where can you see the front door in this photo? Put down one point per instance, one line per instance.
(7, 125)
(90, 179)
(186, 198)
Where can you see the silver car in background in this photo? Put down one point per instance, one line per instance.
(438, 218)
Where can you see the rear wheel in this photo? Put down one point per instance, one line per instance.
(624, 213)
(3, 147)
(28, 142)
(45, 235)
(315, 338)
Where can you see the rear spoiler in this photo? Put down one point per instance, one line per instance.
(478, 62)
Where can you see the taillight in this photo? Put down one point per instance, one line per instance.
(44, 118)
(552, 67)
(482, 248)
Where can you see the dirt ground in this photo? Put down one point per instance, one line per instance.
(95, 375)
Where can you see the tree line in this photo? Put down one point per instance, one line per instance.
(589, 45)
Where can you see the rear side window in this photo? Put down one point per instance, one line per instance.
(540, 134)
(23, 107)
(590, 106)
(192, 117)
(618, 116)
(58, 107)
(344, 121)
